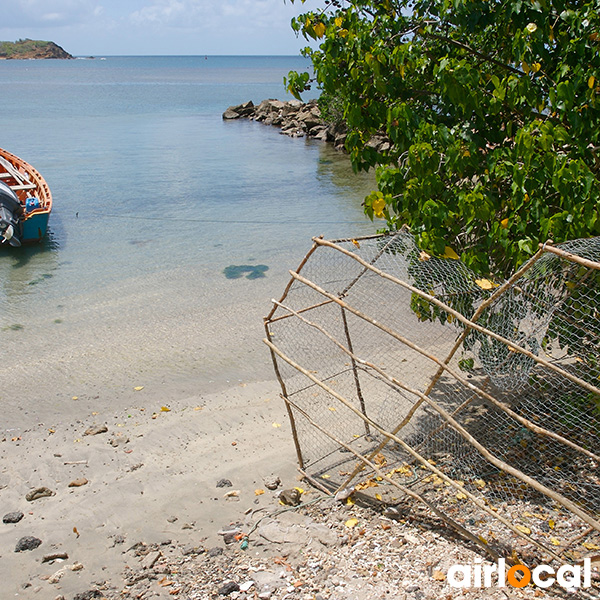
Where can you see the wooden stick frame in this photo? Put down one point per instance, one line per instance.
(443, 366)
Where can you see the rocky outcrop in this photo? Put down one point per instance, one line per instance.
(294, 118)
(28, 49)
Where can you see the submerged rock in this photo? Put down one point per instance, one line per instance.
(254, 271)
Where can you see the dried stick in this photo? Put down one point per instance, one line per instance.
(571, 257)
(354, 370)
(280, 318)
(304, 474)
(287, 406)
(525, 422)
(409, 449)
(511, 345)
(448, 520)
(291, 281)
(459, 428)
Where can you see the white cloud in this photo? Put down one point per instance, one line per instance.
(41, 13)
(206, 14)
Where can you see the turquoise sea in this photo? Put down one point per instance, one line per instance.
(154, 196)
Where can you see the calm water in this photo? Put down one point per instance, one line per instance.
(154, 195)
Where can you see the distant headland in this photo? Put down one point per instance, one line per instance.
(27, 49)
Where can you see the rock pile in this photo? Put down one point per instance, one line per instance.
(295, 118)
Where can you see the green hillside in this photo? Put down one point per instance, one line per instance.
(25, 49)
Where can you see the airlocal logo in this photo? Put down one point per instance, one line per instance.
(543, 576)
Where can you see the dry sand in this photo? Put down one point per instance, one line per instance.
(151, 477)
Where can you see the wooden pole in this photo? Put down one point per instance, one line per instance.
(285, 398)
(354, 369)
(408, 449)
(570, 256)
(456, 426)
(511, 345)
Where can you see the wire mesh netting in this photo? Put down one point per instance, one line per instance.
(405, 373)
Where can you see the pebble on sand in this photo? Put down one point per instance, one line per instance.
(228, 587)
(27, 543)
(12, 517)
(96, 429)
(78, 482)
(41, 492)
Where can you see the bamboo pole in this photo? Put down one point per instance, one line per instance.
(525, 422)
(410, 450)
(511, 345)
(291, 281)
(354, 369)
(459, 428)
(318, 305)
(287, 405)
(570, 256)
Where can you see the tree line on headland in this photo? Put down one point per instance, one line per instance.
(28, 49)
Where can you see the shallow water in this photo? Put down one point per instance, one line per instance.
(154, 197)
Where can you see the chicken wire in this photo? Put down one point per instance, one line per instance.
(445, 384)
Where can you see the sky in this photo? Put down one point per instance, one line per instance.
(140, 27)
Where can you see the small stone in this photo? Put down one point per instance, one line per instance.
(12, 517)
(290, 497)
(41, 492)
(150, 559)
(191, 550)
(228, 588)
(96, 429)
(78, 482)
(118, 439)
(244, 587)
(224, 483)
(55, 556)
(172, 519)
(411, 588)
(216, 551)
(89, 595)
(27, 543)
(272, 483)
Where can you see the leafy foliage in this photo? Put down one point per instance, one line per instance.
(492, 109)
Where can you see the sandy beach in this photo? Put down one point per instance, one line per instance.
(150, 476)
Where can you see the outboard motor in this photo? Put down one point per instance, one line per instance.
(10, 212)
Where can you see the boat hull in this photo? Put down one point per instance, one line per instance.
(33, 195)
(34, 228)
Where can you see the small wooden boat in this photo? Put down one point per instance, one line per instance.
(25, 201)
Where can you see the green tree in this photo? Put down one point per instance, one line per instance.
(491, 108)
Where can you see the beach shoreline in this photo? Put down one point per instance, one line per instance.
(151, 476)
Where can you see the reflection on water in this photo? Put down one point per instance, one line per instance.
(23, 268)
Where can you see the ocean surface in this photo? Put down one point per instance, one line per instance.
(154, 196)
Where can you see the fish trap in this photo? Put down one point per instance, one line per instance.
(409, 376)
